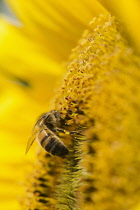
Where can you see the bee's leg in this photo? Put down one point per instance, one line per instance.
(74, 132)
(62, 131)
(67, 132)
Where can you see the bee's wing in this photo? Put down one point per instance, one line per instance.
(30, 142)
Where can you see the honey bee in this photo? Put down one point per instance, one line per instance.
(45, 131)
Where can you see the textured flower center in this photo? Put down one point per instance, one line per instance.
(101, 89)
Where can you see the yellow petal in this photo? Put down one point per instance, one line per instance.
(23, 52)
(21, 59)
(56, 26)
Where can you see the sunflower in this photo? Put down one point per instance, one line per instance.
(89, 51)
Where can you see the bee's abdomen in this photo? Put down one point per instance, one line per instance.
(42, 141)
(43, 136)
(51, 143)
(56, 147)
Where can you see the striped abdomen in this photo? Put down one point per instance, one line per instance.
(51, 143)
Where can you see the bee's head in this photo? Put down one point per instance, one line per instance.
(52, 119)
